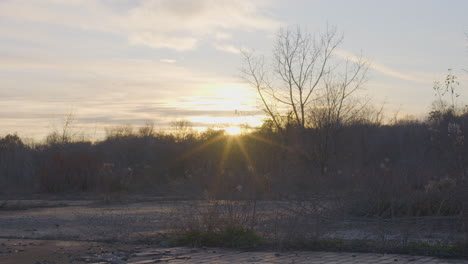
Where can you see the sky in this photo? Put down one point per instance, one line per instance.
(115, 62)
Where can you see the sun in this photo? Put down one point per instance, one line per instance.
(234, 130)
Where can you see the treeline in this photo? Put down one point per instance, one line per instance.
(406, 168)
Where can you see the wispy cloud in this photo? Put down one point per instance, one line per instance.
(171, 24)
(155, 40)
(413, 77)
(222, 36)
(168, 60)
(227, 48)
(95, 115)
(111, 91)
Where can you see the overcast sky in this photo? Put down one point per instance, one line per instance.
(127, 61)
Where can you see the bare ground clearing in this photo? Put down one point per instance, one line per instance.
(66, 229)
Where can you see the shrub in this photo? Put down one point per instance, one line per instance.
(219, 223)
(232, 237)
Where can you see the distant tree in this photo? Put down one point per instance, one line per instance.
(66, 133)
(147, 130)
(182, 129)
(67, 126)
(11, 141)
(119, 131)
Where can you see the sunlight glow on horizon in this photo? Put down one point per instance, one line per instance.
(111, 65)
(252, 121)
(234, 130)
(237, 98)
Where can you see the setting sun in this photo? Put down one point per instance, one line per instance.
(233, 130)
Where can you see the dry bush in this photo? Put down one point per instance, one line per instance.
(218, 223)
(302, 220)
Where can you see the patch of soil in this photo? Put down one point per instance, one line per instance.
(14, 251)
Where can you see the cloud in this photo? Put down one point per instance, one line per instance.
(222, 36)
(154, 40)
(384, 69)
(227, 48)
(168, 60)
(181, 112)
(174, 24)
(110, 91)
(93, 73)
(93, 116)
(55, 54)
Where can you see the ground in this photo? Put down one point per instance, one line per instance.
(17, 251)
(51, 230)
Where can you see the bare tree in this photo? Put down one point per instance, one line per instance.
(301, 73)
(66, 134)
(147, 130)
(119, 131)
(67, 127)
(182, 129)
(306, 86)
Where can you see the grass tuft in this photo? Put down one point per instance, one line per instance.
(231, 237)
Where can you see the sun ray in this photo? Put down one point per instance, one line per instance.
(245, 153)
(230, 141)
(193, 151)
(259, 180)
(267, 141)
(224, 156)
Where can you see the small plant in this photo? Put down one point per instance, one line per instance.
(240, 237)
(232, 237)
(220, 224)
(437, 248)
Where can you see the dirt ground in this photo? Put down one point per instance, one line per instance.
(53, 230)
(46, 230)
(85, 220)
(23, 251)
(18, 251)
(134, 218)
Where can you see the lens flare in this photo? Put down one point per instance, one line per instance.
(233, 130)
